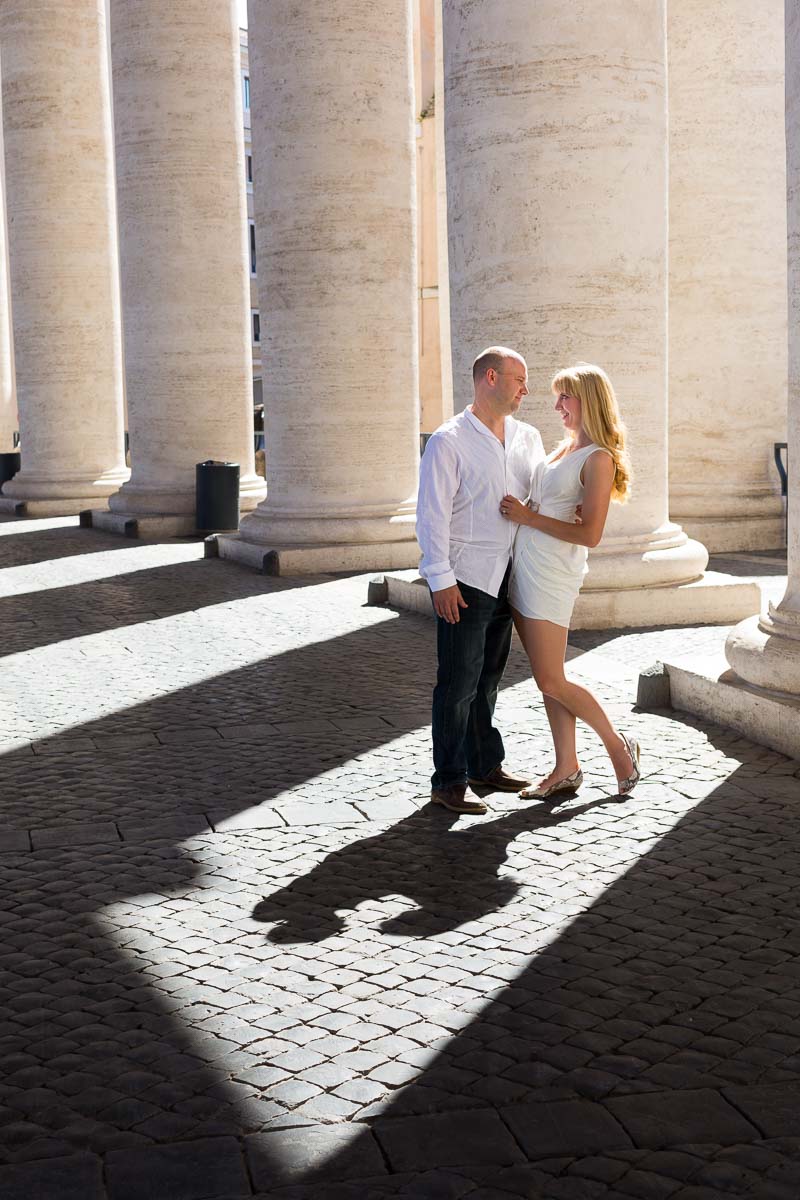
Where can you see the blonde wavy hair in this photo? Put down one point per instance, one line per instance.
(600, 418)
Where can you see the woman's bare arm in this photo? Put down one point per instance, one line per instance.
(598, 477)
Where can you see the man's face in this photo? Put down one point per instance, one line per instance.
(511, 384)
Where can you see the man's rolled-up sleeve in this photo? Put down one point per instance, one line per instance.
(438, 484)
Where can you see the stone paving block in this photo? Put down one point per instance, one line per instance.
(681, 1117)
(125, 741)
(313, 725)
(361, 721)
(78, 1177)
(246, 730)
(196, 1170)
(14, 840)
(446, 1139)
(188, 735)
(74, 835)
(571, 1127)
(64, 745)
(313, 1153)
(262, 816)
(773, 1108)
(388, 809)
(297, 813)
(164, 827)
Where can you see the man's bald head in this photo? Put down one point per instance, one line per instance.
(500, 377)
(493, 358)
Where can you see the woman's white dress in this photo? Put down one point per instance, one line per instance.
(547, 573)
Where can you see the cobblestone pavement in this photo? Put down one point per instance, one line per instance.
(241, 956)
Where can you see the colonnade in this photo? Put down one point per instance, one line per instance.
(560, 227)
(176, 209)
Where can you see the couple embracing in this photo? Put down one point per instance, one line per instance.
(485, 477)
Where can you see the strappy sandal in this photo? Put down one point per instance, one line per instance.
(628, 784)
(570, 783)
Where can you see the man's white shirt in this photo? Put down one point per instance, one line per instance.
(464, 474)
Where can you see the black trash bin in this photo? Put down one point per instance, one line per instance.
(9, 465)
(216, 496)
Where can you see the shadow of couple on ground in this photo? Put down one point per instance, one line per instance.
(451, 875)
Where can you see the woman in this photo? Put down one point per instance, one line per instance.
(590, 468)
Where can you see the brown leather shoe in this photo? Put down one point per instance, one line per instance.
(499, 780)
(454, 797)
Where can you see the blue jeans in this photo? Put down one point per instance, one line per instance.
(472, 658)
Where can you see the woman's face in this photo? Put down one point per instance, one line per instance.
(569, 409)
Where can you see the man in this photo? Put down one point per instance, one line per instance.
(469, 464)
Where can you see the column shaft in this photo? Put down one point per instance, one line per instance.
(183, 231)
(727, 275)
(8, 398)
(431, 398)
(765, 651)
(332, 120)
(62, 251)
(555, 130)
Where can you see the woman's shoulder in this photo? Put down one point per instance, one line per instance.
(584, 452)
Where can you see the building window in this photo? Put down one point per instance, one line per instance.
(248, 166)
(246, 92)
(256, 327)
(252, 225)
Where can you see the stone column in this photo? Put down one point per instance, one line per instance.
(555, 137)
(63, 265)
(8, 398)
(333, 148)
(727, 270)
(765, 650)
(431, 393)
(442, 240)
(185, 276)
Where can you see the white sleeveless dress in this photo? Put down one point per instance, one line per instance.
(547, 573)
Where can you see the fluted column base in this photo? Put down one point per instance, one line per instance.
(713, 599)
(140, 500)
(350, 524)
(663, 558)
(29, 495)
(709, 689)
(152, 512)
(765, 652)
(367, 538)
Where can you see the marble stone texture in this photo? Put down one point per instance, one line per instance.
(727, 270)
(184, 267)
(8, 398)
(765, 651)
(555, 134)
(333, 151)
(62, 251)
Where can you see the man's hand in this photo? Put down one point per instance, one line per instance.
(578, 515)
(447, 602)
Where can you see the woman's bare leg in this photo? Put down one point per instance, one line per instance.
(562, 726)
(545, 644)
(561, 720)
